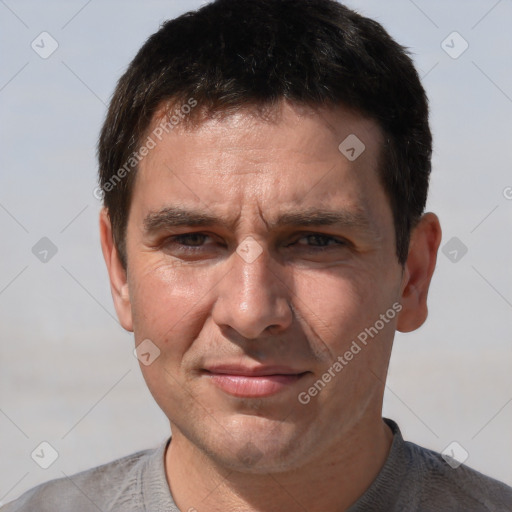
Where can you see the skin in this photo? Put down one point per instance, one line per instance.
(300, 303)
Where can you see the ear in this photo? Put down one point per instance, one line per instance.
(116, 272)
(419, 267)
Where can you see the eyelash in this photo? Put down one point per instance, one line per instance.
(178, 239)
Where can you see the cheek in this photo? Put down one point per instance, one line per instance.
(338, 306)
(168, 303)
(169, 307)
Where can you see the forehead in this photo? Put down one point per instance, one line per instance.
(297, 157)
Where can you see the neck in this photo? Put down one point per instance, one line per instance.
(332, 480)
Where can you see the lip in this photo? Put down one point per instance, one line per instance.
(254, 371)
(255, 382)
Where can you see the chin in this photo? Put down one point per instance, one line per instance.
(252, 444)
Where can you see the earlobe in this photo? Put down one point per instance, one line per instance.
(418, 271)
(117, 274)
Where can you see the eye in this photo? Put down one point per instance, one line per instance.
(318, 241)
(187, 243)
(189, 239)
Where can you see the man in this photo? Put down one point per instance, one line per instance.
(265, 166)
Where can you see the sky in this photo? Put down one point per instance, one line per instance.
(67, 373)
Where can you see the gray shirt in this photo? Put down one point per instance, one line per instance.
(412, 479)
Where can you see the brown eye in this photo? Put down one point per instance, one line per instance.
(320, 241)
(190, 239)
(188, 243)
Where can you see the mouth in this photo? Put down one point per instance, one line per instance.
(256, 382)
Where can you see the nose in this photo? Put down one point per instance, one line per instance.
(253, 297)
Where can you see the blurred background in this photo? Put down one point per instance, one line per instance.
(68, 376)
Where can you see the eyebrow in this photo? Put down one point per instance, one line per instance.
(171, 217)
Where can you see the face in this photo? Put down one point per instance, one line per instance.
(258, 254)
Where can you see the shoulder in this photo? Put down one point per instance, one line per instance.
(443, 487)
(111, 486)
